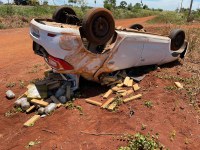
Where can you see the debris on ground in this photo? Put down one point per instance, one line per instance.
(31, 121)
(10, 94)
(120, 92)
(45, 96)
(55, 90)
(179, 85)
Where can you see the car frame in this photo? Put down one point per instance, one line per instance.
(67, 51)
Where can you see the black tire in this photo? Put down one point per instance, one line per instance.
(98, 26)
(60, 14)
(136, 27)
(177, 37)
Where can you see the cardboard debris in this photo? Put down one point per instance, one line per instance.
(39, 102)
(33, 92)
(108, 102)
(32, 121)
(136, 87)
(132, 98)
(179, 85)
(93, 102)
(108, 93)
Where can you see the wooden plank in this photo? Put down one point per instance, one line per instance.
(120, 85)
(129, 92)
(126, 93)
(114, 83)
(108, 102)
(136, 87)
(130, 83)
(115, 88)
(126, 81)
(30, 109)
(179, 85)
(112, 106)
(107, 94)
(46, 72)
(121, 91)
(93, 102)
(31, 121)
(132, 98)
(23, 95)
(39, 102)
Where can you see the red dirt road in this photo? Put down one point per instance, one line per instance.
(170, 114)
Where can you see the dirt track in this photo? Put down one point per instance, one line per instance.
(171, 111)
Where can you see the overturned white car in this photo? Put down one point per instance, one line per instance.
(92, 47)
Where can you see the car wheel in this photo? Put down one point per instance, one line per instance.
(98, 26)
(177, 37)
(60, 15)
(136, 27)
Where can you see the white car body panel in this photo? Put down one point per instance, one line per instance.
(131, 49)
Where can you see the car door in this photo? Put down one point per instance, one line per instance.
(155, 50)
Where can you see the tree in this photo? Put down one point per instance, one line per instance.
(45, 2)
(145, 7)
(190, 10)
(109, 4)
(130, 6)
(137, 6)
(123, 4)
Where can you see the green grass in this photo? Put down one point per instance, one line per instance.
(142, 142)
(12, 16)
(169, 17)
(124, 13)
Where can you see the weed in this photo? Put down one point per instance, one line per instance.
(143, 127)
(169, 17)
(12, 112)
(21, 84)
(71, 105)
(172, 135)
(2, 26)
(10, 85)
(148, 104)
(32, 143)
(170, 88)
(142, 142)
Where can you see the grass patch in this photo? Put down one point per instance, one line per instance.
(148, 104)
(169, 17)
(135, 13)
(142, 142)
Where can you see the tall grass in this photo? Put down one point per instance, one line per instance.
(136, 13)
(169, 17)
(26, 11)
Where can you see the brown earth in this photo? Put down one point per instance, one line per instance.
(171, 113)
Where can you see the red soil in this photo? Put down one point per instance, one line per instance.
(171, 111)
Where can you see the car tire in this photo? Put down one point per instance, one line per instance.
(98, 26)
(60, 14)
(177, 37)
(136, 27)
